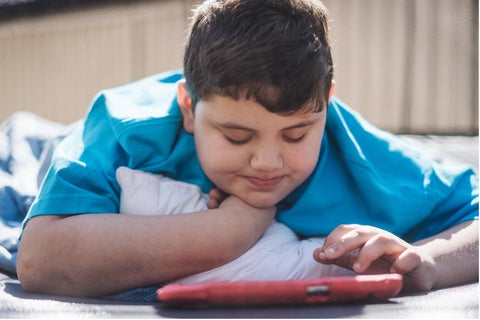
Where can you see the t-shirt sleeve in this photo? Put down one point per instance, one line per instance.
(81, 178)
(137, 125)
(458, 203)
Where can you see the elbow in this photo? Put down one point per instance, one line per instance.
(27, 265)
(28, 272)
(37, 272)
(27, 276)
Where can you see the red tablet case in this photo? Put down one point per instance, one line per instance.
(289, 292)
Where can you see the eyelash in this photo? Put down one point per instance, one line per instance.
(236, 142)
(287, 139)
(294, 140)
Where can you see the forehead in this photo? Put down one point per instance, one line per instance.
(248, 112)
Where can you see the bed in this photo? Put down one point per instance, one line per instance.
(26, 145)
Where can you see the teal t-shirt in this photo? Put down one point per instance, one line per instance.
(364, 175)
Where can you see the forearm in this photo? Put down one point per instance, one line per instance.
(455, 254)
(97, 254)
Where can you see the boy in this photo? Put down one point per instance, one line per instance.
(251, 120)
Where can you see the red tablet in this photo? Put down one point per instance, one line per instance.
(289, 292)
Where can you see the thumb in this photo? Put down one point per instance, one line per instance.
(406, 262)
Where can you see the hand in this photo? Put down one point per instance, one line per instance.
(217, 196)
(370, 250)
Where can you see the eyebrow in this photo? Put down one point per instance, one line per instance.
(235, 126)
(302, 124)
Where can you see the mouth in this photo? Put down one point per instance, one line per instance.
(265, 184)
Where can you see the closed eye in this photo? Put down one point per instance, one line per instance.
(295, 135)
(237, 141)
(294, 140)
(236, 136)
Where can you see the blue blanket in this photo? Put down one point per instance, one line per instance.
(27, 142)
(26, 145)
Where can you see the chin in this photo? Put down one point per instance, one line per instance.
(262, 202)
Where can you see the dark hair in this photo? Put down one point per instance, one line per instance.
(274, 51)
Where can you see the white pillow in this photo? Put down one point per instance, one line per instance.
(153, 194)
(278, 255)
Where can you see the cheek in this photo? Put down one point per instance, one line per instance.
(303, 164)
(218, 158)
(304, 159)
(221, 162)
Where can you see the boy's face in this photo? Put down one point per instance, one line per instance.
(251, 153)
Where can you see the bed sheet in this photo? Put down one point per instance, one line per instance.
(460, 302)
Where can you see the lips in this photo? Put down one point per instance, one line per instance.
(265, 184)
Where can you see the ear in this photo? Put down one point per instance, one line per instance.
(185, 104)
(332, 90)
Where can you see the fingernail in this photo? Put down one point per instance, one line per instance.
(331, 250)
(321, 255)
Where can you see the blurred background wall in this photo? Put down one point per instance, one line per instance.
(409, 66)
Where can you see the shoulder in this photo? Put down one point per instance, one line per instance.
(135, 115)
(149, 98)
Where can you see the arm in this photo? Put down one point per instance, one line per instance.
(455, 252)
(98, 254)
(278, 255)
(449, 258)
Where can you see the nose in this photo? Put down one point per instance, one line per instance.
(266, 157)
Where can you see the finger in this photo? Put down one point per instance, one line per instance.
(379, 246)
(215, 197)
(349, 241)
(339, 231)
(336, 234)
(319, 256)
(218, 195)
(345, 261)
(406, 262)
(214, 193)
(212, 203)
(418, 270)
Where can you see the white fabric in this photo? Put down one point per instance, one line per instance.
(278, 255)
